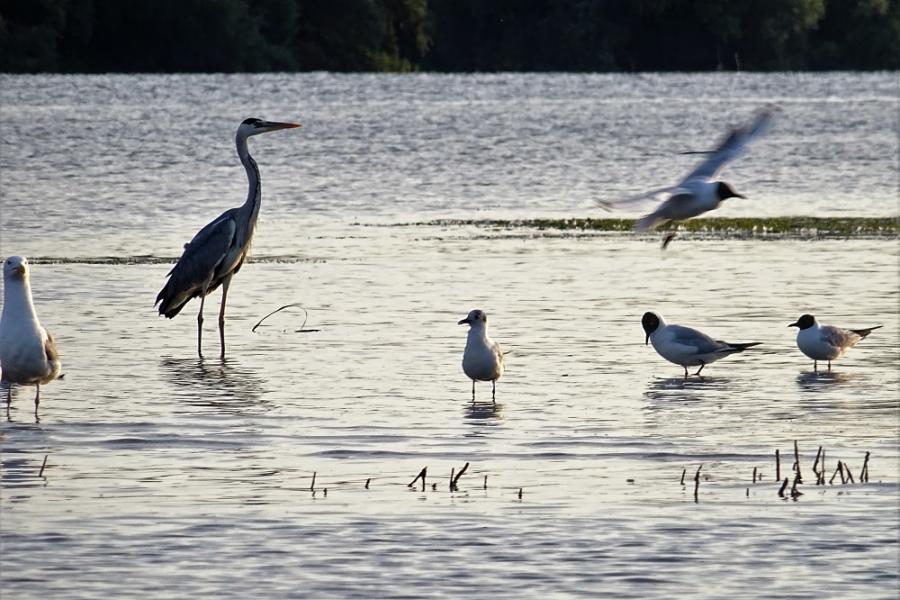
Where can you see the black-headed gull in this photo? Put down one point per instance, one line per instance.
(826, 342)
(699, 191)
(28, 353)
(685, 346)
(482, 358)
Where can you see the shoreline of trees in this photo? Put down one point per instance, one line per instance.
(164, 36)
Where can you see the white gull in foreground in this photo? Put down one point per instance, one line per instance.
(826, 342)
(28, 353)
(699, 191)
(482, 358)
(685, 346)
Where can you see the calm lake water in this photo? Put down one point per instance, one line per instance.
(171, 477)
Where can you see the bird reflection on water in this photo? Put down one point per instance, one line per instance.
(484, 413)
(810, 381)
(220, 383)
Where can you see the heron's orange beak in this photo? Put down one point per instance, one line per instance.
(276, 126)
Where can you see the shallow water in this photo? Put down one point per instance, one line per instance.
(168, 476)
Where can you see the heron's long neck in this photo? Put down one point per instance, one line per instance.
(254, 193)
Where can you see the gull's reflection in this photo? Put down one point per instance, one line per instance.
(483, 413)
(679, 389)
(219, 383)
(810, 381)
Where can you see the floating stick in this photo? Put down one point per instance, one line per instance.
(367, 482)
(794, 491)
(485, 482)
(305, 317)
(754, 477)
(312, 486)
(836, 471)
(777, 466)
(863, 473)
(849, 474)
(520, 493)
(44, 464)
(683, 471)
(816, 464)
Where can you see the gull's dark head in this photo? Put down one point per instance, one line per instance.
(254, 126)
(804, 322)
(725, 191)
(474, 317)
(650, 322)
(15, 267)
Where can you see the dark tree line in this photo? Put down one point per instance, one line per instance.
(447, 35)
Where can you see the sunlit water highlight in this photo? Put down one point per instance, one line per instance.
(169, 477)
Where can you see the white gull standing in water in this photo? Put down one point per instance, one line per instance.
(28, 353)
(482, 358)
(826, 342)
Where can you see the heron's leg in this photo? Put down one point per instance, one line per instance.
(829, 366)
(473, 391)
(200, 325)
(37, 396)
(816, 366)
(225, 283)
(685, 371)
(8, 395)
(702, 364)
(494, 391)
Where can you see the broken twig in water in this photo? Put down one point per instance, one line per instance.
(797, 461)
(697, 482)
(312, 486)
(421, 475)
(784, 485)
(683, 472)
(838, 471)
(754, 474)
(453, 480)
(795, 493)
(863, 473)
(367, 482)
(816, 471)
(520, 493)
(777, 466)
(849, 474)
(305, 317)
(44, 464)
(485, 482)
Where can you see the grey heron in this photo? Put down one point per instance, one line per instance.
(218, 250)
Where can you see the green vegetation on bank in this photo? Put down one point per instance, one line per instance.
(447, 35)
(726, 227)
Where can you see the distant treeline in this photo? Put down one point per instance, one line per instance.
(447, 35)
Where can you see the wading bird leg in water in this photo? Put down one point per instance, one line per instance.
(225, 283)
(686, 374)
(200, 326)
(473, 391)
(829, 366)
(494, 391)
(816, 366)
(700, 369)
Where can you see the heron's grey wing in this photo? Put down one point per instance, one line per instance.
(732, 146)
(197, 265)
(687, 336)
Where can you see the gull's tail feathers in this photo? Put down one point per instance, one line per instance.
(864, 332)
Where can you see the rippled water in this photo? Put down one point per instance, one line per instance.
(171, 477)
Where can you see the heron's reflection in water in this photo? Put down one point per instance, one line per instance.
(219, 383)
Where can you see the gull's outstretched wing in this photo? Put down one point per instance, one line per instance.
(638, 200)
(732, 146)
